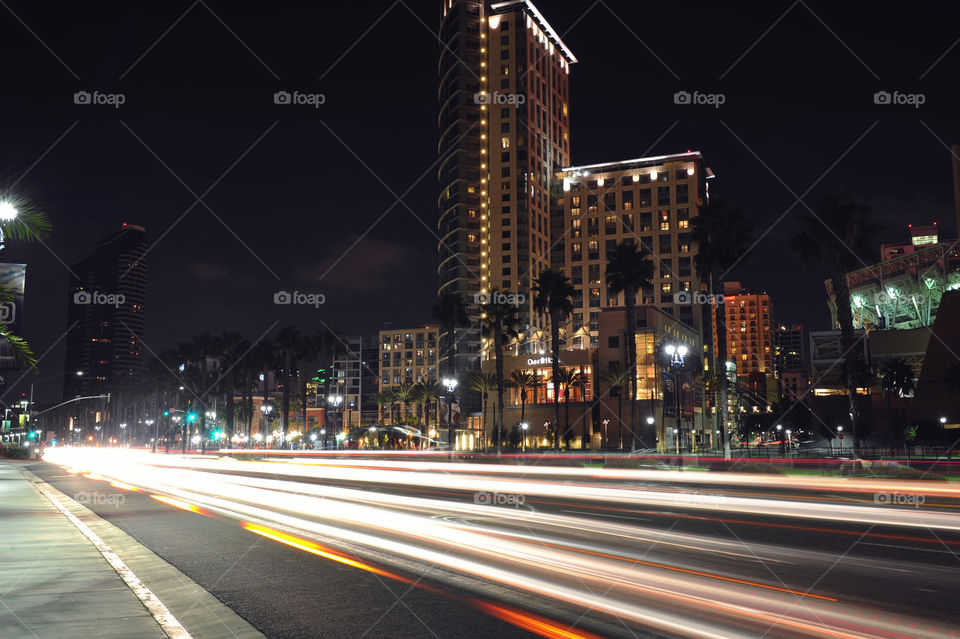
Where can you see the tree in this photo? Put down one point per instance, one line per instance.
(483, 383)
(723, 238)
(630, 270)
(28, 225)
(405, 393)
(430, 393)
(836, 237)
(553, 297)
(523, 380)
(385, 398)
(500, 320)
(450, 311)
(619, 379)
(896, 378)
(568, 377)
(232, 347)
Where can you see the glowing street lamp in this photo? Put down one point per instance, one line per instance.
(450, 383)
(525, 426)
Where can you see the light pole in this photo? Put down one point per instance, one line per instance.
(123, 429)
(605, 422)
(525, 426)
(450, 384)
(36, 381)
(840, 437)
(266, 408)
(649, 423)
(789, 440)
(335, 401)
(676, 353)
(780, 438)
(676, 432)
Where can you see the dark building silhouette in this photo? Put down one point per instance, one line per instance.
(105, 315)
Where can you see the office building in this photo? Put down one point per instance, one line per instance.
(106, 315)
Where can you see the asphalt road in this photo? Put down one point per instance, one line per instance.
(412, 549)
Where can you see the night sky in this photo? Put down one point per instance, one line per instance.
(303, 198)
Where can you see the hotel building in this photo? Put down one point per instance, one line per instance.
(504, 130)
(649, 201)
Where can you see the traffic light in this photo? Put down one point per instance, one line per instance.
(166, 413)
(191, 417)
(32, 435)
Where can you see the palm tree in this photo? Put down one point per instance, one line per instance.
(619, 378)
(430, 394)
(290, 344)
(522, 381)
(450, 311)
(553, 296)
(405, 393)
(384, 398)
(21, 222)
(836, 237)
(629, 270)
(896, 377)
(232, 347)
(483, 383)
(568, 377)
(723, 238)
(500, 321)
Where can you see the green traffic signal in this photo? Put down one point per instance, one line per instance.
(32, 435)
(166, 413)
(191, 417)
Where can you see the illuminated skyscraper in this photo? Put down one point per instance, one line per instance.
(504, 129)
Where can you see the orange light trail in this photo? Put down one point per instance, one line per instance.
(182, 505)
(534, 623)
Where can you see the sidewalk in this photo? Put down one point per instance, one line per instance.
(54, 582)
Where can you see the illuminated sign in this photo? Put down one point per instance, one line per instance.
(540, 361)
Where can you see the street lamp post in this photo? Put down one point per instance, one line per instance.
(676, 355)
(335, 401)
(840, 437)
(267, 408)
(780, 438)
(649, 423)
(524, 427)
(451, 384)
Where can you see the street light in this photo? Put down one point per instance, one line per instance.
(450, 384)
(840, 434)
(525, 426)
(676, 353)
(943, 420)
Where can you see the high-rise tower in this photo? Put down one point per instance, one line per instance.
(504, 129)
(108, 292)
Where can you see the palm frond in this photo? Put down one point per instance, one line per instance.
(21, 349)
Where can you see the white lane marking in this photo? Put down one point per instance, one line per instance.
(168, 623)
